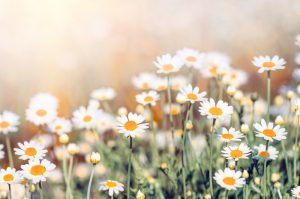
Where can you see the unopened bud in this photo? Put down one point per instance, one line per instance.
(72, 149)
(231, 165)
(122, 111)
(245, 174)
(231, 91)
(245, 128)
(95, 158)
(279, 120)
(290, 95)
(189, 125)
(140, 195)
(207, 196)
(254, 97)
(63, 139)
(277, 185)
(257, 180)
(275, 177)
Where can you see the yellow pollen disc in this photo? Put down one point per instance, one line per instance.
(8, 177)
(130, 125)
(161, 88)
(227, 136)
(30, 151)
(148, 99)
(37, 170)
(192, 96)
(215, 111)
(264, 154)
(24, 182)
(110, 184)
(41, 112)
(269, 133)
(191, 59)
(233, 76)
(4, 124)
(268, 64)
(213, 70)
(229, 181)
(298, 193)
(87, 118)
(58, 127)
(174, 111)
(145, 86)
(168, 67)
(103, 97)
(236, 153)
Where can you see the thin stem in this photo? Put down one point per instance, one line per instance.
(90, 183)
(210, 157)
(153, 133)
(265, 173)
(41, 190)
(268, 95)
(70, 173)
(296, 152)
(9, 151)
(9, 190)
(170, 106)
(129, 167)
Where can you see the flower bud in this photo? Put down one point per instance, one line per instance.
(245, 174)
(140, 195)
(95, 158)
(189, 125)
(122, 111)
(245, 128)
(290, 95)
(231, 91)
(257, 180)
(277, 185)
(72, 149)
(231, 165)
(254, 97)
(275, 177)
(163, 165)
(189, 193)
(63, 139)
(279, 120)
(207, 196)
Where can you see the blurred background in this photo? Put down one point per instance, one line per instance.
(71, 47)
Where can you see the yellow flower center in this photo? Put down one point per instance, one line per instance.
(229, 181)
(215, 111)
(87, 118)
(58, 127)
(161, 88)
(269, 133)
(130, 125)
(37, 170)
(145, 86)
(8, 177)
(192, 96)
(24, 182)
(30, 151)
(191, 59)
(227, 136)
(264, 154)
(103, 97)
(168, 67)
(236, 153)
(41, 112)
(4, 124)
(233, 76)
(174, 110)
(148, 99)
(213, 70)
(110, 184)
(268, 64)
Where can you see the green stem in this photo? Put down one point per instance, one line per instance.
(9, 190)
(170, 115)
(296, 152)
(9, 151)
(70, 174)
(265, 173)
(41, 190)
(129, 167)
(153, 135)
(268, 95)
(210, 157)
(90, 183)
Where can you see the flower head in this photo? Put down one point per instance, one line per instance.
(229, 179)
(192, 95)
(147, 98)
(190, 57)
(167, 64)
(230, 135)
(60, 126)
(267, 63)
(30, 150)
(85, 118)
(10, 176)
(215, 110)
(113, 187)
(269, 131)
(8, 122)
(103, 94)
(144, 81)
(296, 192)
(236, 152)
(215, 64)
(262, 153)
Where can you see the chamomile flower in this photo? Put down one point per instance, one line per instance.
(131, 125)
(167, 64)
(104, 122)
(37, 170)
(296, 192)
(30, 150)
(235, 78)
(144, 81)
(268, 63)
(178, 82)
(215, 64)
(103, 94)
(215, 110)
(44, 98)
(229, 179)
(113, 187)
(85, 118)
(230, 135)
(10, 176)
(2, 153)
(269, 131)
(60, 126)
(160, 84)
(190, 57)
(191, 94)
(8, 122)
(175, 109)
(147, 98)
(236, 152)
(271, 153)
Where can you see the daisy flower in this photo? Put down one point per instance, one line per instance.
(269, 132)
(191, 94)
(215, 110)
(235, 78)
(229, 179)
(103, 94)
(8, 122)
(175, 109)
(190, 57)
(37, 170)
(44, 140)
(113, 187)
(131, 125)
(60, 126)
(2, 153)
(271, 153)
(230, 135)
(30, 150)
(268, 63)
(104, 122)
(144, 81)
(44, 98)
(85, 118)
(160, 84)
(178, 82)
(147, 98)
(296, 192)
(10, 176)
(167, 64)
(236, 152)
(215, 64)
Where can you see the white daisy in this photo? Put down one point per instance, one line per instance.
(268, 63)
(269, 132)
(271, 153)
(103, 94)
(235, 78)
(213, 110)
(190, 57)
(131, 125)
(60, 126)
(229, 179)
(2, 153)
(167, 64)
(104, 122)
(147, 98)
(215, 64)
(296, 192)
(230, 135)
(9, 122)
(160, 84)
(44, 98)
(178, 82)
(144, 81)
(30, 150)
(113, 187)
(85, 118)
(37, 170)
(44, 140)
(10, 176)
(236, 152)
(191, 94)
(175, 109)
